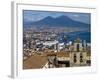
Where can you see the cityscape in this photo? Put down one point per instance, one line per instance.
(56, 39)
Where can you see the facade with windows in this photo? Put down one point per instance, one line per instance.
(80, 55)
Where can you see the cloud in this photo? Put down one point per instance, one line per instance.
(76, 15)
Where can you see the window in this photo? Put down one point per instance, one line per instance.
(75, 60)
(78, 47)
(81, 57)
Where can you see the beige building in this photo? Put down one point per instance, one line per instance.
(79, 56)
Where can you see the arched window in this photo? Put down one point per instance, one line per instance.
(78, 47)
(75, 58)
(81, 57)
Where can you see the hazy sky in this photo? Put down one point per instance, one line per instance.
(31, 15)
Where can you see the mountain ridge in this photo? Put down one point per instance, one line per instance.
(61, 21)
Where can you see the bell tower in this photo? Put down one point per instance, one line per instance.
(78, 54)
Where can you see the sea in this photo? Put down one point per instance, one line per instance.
(71, 36)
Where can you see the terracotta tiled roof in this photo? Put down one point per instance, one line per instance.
(35, 61)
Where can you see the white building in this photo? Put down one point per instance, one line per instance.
(50, 43)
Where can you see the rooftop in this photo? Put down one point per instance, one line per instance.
(35, 61)
(38, 61)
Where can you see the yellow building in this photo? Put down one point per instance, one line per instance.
(79, 56)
